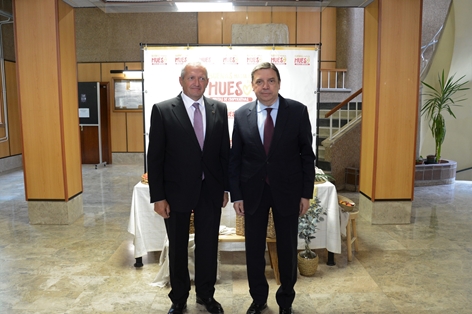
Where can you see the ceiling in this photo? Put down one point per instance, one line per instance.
(146, 6)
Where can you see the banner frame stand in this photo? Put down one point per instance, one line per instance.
(145, 46)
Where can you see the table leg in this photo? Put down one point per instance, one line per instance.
(139, 262)
(274, 260)
(330, 261)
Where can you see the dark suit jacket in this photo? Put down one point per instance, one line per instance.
(290, 165)
(175, 160)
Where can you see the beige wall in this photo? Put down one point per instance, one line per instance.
(453, 55)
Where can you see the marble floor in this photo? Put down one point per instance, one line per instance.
(87, 267)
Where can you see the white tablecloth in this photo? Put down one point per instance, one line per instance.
(149, 230)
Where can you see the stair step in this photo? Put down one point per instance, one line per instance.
(321, 153)
(331, 105)
(323, 132)
(325, 122)
(344, 114)
(324, 165)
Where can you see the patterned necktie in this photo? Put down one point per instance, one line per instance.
(268, 131)
(198, 124)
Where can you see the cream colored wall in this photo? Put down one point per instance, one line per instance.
(453, 54)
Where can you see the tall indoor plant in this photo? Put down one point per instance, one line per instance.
(440, 100)
(307, 259)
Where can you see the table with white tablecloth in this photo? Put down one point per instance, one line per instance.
(149, 230)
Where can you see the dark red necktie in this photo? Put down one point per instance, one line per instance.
(268, 131)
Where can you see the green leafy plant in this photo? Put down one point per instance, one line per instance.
(440, 100)
(307, 225)
(323, 177)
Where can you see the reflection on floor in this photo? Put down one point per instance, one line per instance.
(87, 267)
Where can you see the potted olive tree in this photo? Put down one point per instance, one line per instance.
(308, 259)
(440, 100)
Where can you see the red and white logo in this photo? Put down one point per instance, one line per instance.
(158, 60)
(301, 60)
(278, 59)
(180, 59)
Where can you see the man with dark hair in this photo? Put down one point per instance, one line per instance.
(188, 171)
(271, 166)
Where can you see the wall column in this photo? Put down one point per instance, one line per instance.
(48, 101)
(392, 43)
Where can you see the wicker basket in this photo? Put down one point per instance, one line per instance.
(345, 207)
(270, 225)
(307, 266)
(240, 225)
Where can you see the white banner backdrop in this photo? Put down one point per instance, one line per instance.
(229, 71)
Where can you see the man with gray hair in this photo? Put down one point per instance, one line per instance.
(188, 172)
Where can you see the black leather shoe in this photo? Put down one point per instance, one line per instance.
(287, 310)
(177, 308)
(256, 308)
(211, 305)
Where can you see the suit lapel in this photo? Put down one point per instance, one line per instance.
(280, 122)
(252, 124)
(210, 118)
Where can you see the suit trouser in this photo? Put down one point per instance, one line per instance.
(286, 229)
(207, 223)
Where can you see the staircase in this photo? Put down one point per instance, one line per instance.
(328, 127)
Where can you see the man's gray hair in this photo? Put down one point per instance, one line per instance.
(193, 64)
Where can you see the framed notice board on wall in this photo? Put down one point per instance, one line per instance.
(128, 94)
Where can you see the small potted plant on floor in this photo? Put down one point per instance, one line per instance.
(420, 160)
(308, 259)
(439, 100)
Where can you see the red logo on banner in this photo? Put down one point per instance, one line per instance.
(279, 60)
(230, 60)
(180, 59)
(254, 59)
(158, 60)
(230, 91)
(301, 60)
(206, 60)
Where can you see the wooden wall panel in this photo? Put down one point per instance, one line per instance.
(134, 66)
(259, 15)
(308, 28)
(88, 72)
(210, 28)
(4, 144)
(117, 119)
(134, 121)
(40, 99)
(135, 131)
(69, 101)
(328, 34)
(398, 88)
(287, 16)
(369, 99)
(230, 18)
(390, 99)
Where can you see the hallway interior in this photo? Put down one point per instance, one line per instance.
(87, 267)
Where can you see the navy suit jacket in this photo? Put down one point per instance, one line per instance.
(290, 164)
(175, 160)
